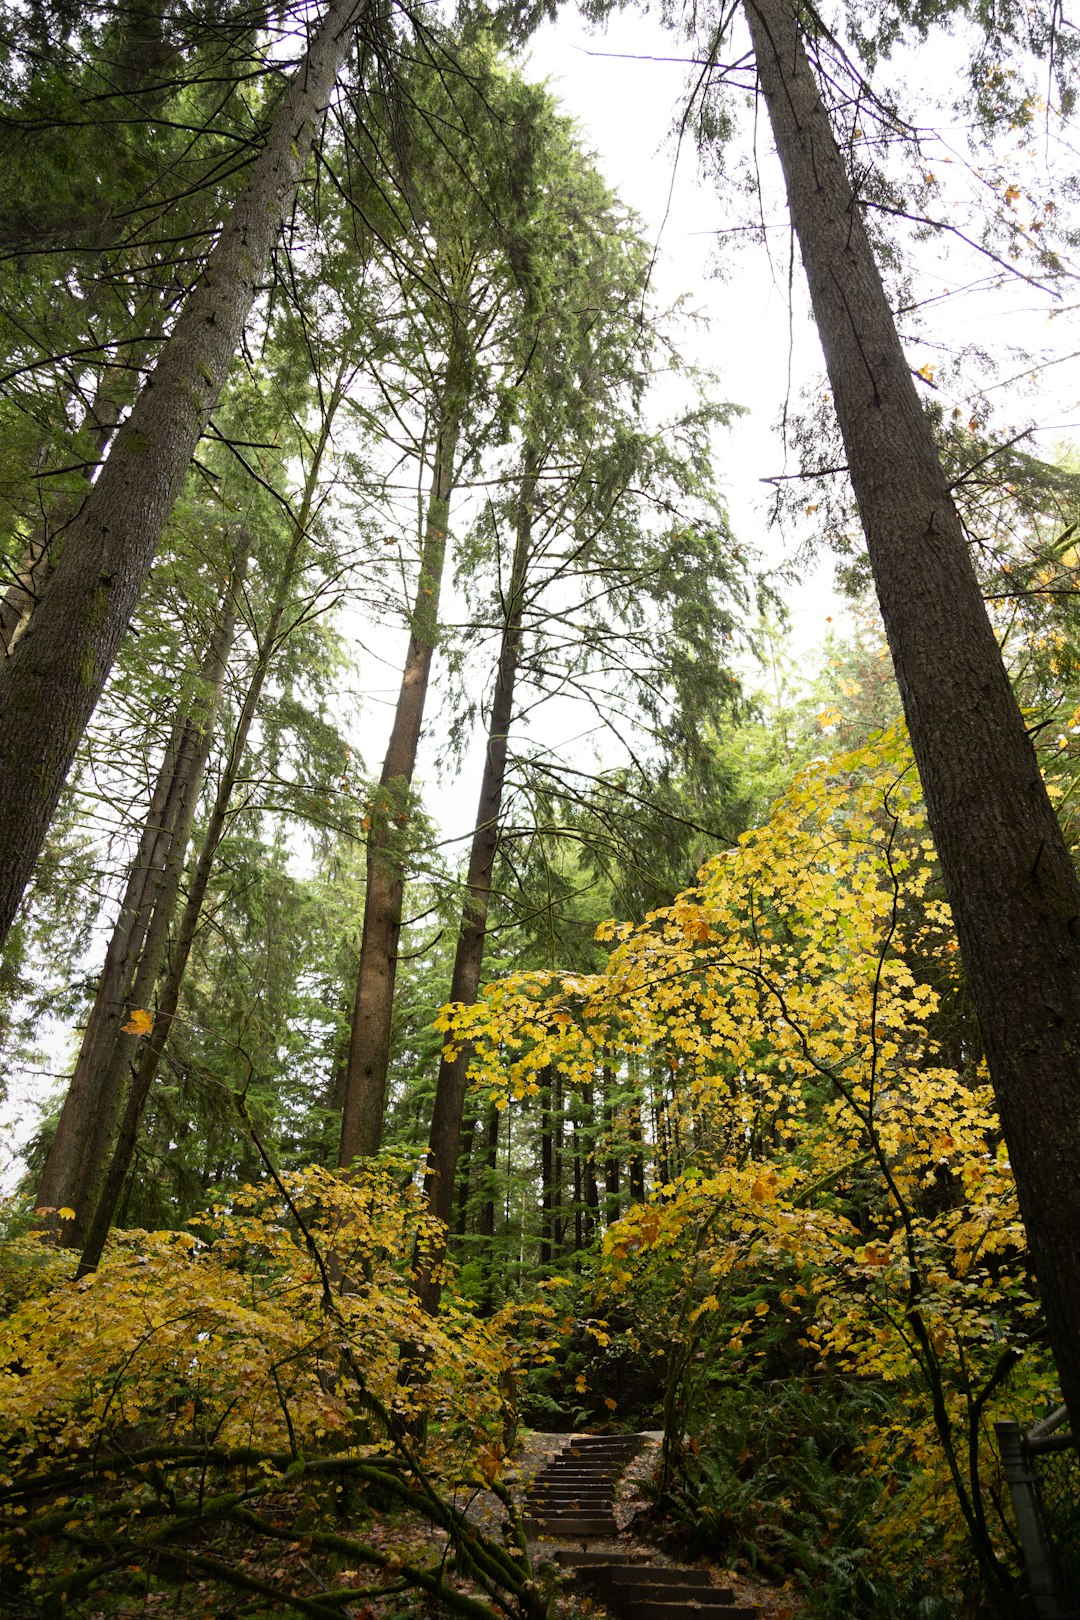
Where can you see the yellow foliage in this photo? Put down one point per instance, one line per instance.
(221, 1333)
(857, 1205)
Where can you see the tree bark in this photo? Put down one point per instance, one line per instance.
(60, 1174)
(485, 1221)
(636, 1166)
(558, 1202)
(587, 1134)
(369, 1047)
(50, 684)
(612, 1198)
(76, 1159)
(465, 1175)
(444, 1142)
(662, 1154)
(547, 1174)
(1011, 884)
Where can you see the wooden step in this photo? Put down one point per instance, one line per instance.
(570, 1525)
(625, 1592)
(577, 1449)
(572, 1505)
(597, 1453)
(583, 1465)
(689, 1611)
(545, 1503)
(568, 1559)
(569, 1494)
(663, 1575)
(578, 1476)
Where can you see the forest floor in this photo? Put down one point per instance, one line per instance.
(293, 1564)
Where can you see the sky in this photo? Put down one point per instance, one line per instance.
(626, 86)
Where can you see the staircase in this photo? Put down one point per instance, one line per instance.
(642, 1591)
(572, 1499)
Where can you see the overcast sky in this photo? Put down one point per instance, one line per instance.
(626, 87)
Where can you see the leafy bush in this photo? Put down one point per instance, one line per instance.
(776, 1480)
(249, 1374)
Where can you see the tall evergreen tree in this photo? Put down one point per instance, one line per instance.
(474, 177)
(55, 674)
(1010, 880)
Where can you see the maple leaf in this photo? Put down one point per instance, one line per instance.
(141, 1022)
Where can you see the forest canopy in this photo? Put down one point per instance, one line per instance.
(470, 974)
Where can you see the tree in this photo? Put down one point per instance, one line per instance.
(849, 1197)
(470, 174)
(447, 1115)
(1008, 874)
(124, 140)
(283, 615)
(84, 1132)
(55, 674)
(620, 562)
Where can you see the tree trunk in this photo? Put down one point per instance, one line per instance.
(612, 1198)
(579, 1191)
(76, 1159)
(156, 1042)
(485, 1224)
(1011, 884)
(547, 1174)
(558, 1205)
(636, 1166)
(662, 1155)
(465, 1175)
(60, 1174)
(587, 1133)
(369, 1049)
(50, 684)
(445, 1138)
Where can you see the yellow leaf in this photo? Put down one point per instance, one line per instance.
(609, 1403)
(66, 1214)
(140, 1023)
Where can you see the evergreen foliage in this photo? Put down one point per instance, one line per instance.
(658, 1091)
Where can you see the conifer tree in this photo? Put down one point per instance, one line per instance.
(54, 676)
(1010, 880)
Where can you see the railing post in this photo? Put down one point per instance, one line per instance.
(1038, 1559)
